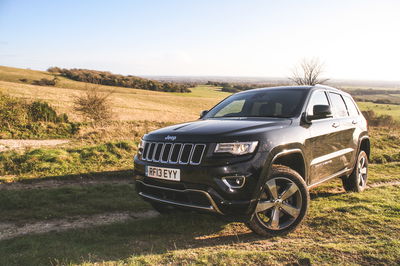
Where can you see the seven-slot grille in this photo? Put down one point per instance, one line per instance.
(173, 153)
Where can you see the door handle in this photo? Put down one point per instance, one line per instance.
(354, 122)
(335, 125)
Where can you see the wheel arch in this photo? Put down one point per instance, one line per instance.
(294, 159)
(365, 145)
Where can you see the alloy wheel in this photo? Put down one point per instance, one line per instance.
(280, 203)
(362, 171)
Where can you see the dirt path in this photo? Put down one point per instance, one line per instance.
(43, 184)
(16, 144)
(10, 230)
(384, 184)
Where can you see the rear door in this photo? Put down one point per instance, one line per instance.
(353, 123)
(344, 130)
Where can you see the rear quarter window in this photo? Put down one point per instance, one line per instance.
(351, 106)
(338, 106)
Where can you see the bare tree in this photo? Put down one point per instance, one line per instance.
(94, 105)
(308, 72)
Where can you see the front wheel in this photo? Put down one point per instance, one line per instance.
(282, 205)
(357, 181)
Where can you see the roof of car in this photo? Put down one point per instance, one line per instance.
(318, 86)
(280, 87)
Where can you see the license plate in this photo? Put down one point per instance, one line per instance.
(163, 173)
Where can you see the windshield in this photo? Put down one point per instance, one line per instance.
(283, 103)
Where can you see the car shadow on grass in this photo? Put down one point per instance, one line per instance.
(325, 194)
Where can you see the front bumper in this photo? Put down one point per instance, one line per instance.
(186, 198)
(201, 187)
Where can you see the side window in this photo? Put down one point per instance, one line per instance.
(317, 98)
(338, 106)
(351, 106)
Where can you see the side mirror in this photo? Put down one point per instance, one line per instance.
(320, 112)
(203, 113)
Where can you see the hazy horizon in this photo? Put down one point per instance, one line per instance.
(357, 40)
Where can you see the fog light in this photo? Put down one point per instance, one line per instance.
(234, 181)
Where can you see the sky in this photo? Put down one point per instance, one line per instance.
(354, 39)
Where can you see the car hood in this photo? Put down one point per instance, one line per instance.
(212, 130)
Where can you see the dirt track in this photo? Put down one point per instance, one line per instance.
(10, 230)
(43, 184)
(16, 144)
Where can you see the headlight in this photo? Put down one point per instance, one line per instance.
(140, 147)
(236, 148)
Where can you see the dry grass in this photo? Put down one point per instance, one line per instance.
(128, 104)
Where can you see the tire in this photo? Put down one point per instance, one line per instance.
(283, 203)
(357, 181)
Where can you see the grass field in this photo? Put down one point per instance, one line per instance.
(340, 228)
(91, 175)
(382, 109)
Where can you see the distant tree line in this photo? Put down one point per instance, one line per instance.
(234, 87)
(107, 78)
(371, 92)
(378, 100)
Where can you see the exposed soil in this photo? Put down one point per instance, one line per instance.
(10, 230)
(16, 144)
(384, 184)
(43, 184)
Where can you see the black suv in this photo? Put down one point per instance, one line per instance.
(254, 156)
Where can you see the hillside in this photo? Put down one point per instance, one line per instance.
(135, 104)
(128, 104)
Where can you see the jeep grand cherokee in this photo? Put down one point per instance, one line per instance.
(255, 155)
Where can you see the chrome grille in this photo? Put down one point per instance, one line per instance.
(173, 153)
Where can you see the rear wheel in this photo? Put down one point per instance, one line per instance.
(357, 181)
(282, 205)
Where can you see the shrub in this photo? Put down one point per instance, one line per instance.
(380, 120)
(94, 105)
(45, 82)
(19, 119)
(229, 89)
(54, 70)
(42, 111)
(12, 112)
